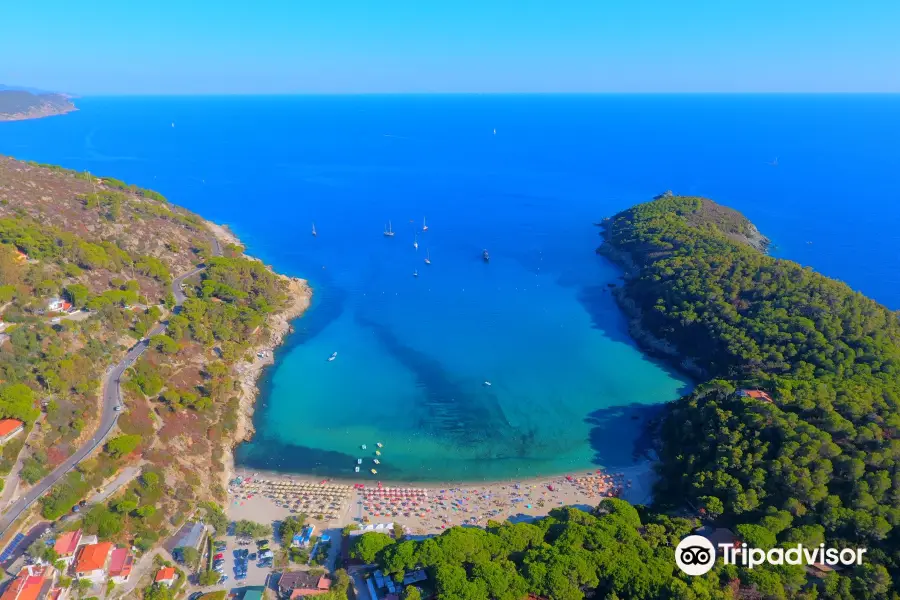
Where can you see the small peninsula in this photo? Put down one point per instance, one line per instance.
(792, 436)
(19, 105)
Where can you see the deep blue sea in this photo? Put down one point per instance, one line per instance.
(524, 177)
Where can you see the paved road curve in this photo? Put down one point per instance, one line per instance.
(109, 416)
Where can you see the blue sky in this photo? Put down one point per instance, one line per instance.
(354, 46)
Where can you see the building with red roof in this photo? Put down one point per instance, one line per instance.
(121, 562)
(10, 428)
(756, 395)
(166, 576)
(31, 583)
(66, 545)
(92, 561)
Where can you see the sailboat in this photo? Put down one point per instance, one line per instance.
(356, 469)
(424, 226)
(427, 257)
(389, 232)
(314, 230)
(416, 243)
(415, 273)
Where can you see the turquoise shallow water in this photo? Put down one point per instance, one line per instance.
(569, 389)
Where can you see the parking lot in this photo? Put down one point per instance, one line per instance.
(238, 566)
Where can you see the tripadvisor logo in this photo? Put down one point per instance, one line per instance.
(696, 555)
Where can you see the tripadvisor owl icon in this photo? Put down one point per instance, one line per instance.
(695, 555)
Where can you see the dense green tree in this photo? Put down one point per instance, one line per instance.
(121, 445)
(368, 545)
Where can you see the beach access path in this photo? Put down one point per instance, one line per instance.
(109, 416)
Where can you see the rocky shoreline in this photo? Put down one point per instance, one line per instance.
(279, 325)
(40, 110)
(649, 343)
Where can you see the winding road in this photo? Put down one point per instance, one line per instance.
(112, 398)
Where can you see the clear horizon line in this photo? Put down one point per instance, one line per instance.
(77, 95)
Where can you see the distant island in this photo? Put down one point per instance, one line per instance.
(19, 104)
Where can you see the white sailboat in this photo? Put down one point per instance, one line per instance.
(427, 257)
(314, 230)
(416, 243)
(424, 225)
(389, 232)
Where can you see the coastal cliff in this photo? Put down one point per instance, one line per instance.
(19, 105)
(799, 392)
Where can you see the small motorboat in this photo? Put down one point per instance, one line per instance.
(485, 256)
(378, 453)
(363, 447)
(356, 469)
(332, 357)
(379, 444)
(374, 472)
(359, 461)
(488, 384)
(376, 461)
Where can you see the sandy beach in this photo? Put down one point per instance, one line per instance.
(424, 509)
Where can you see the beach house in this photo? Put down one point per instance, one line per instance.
(166, 576)
(121, 563)
(10, 428)
(92, 561)
(32, 583)
(300, 584)
(755, 395)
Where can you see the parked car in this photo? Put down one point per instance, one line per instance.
(223, 579)
(219, 556)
